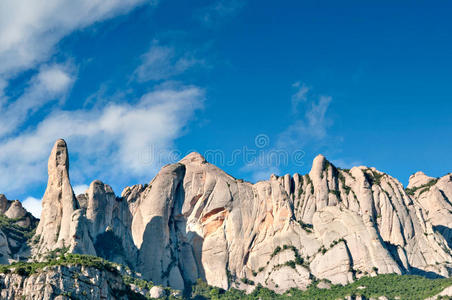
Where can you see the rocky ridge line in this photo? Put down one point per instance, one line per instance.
(195, 221)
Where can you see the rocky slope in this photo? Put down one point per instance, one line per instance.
(195, 221)
(16, 228)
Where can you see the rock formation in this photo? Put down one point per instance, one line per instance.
(329, 224)
(94, 223)
(16, 224)
(195, 221)
(15, 210)
(63, 282)
(58, 203)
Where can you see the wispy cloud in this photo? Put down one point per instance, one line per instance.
(163, 62)
(306, 130)
(312, 127)
(299, 96)
(111, 143)
(50, 84)
(123, 140)
(30, 30)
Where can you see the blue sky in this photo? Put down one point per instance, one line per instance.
(133, 85)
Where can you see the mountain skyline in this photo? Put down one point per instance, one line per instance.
(289, 234)
(34, 206)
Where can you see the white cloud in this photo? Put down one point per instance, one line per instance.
(111, 143)
(54, 79)
(30, 30)
(3, 84)
(50, 84)
(311, 128)
(80, 189)
(305, 131)
(162, 62)
(33, 206)
(299, 96)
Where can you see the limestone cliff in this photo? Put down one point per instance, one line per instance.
(195, 221)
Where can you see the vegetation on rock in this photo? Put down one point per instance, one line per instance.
(392, 286)
(424, 187)
(28, 268)
(9, 226)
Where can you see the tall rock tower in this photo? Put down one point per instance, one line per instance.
(58, 202)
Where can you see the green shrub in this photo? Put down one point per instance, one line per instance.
(373, 177)
(27, 268)
(425, 187)
(21, 234)
(305, 226)
(247, 281)
(276, 251)
(290, 263)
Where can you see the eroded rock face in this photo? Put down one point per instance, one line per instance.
(343, 224)
(94, 223)
(350, 244)
(64, 283)
(16, 224)
(195, 221)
